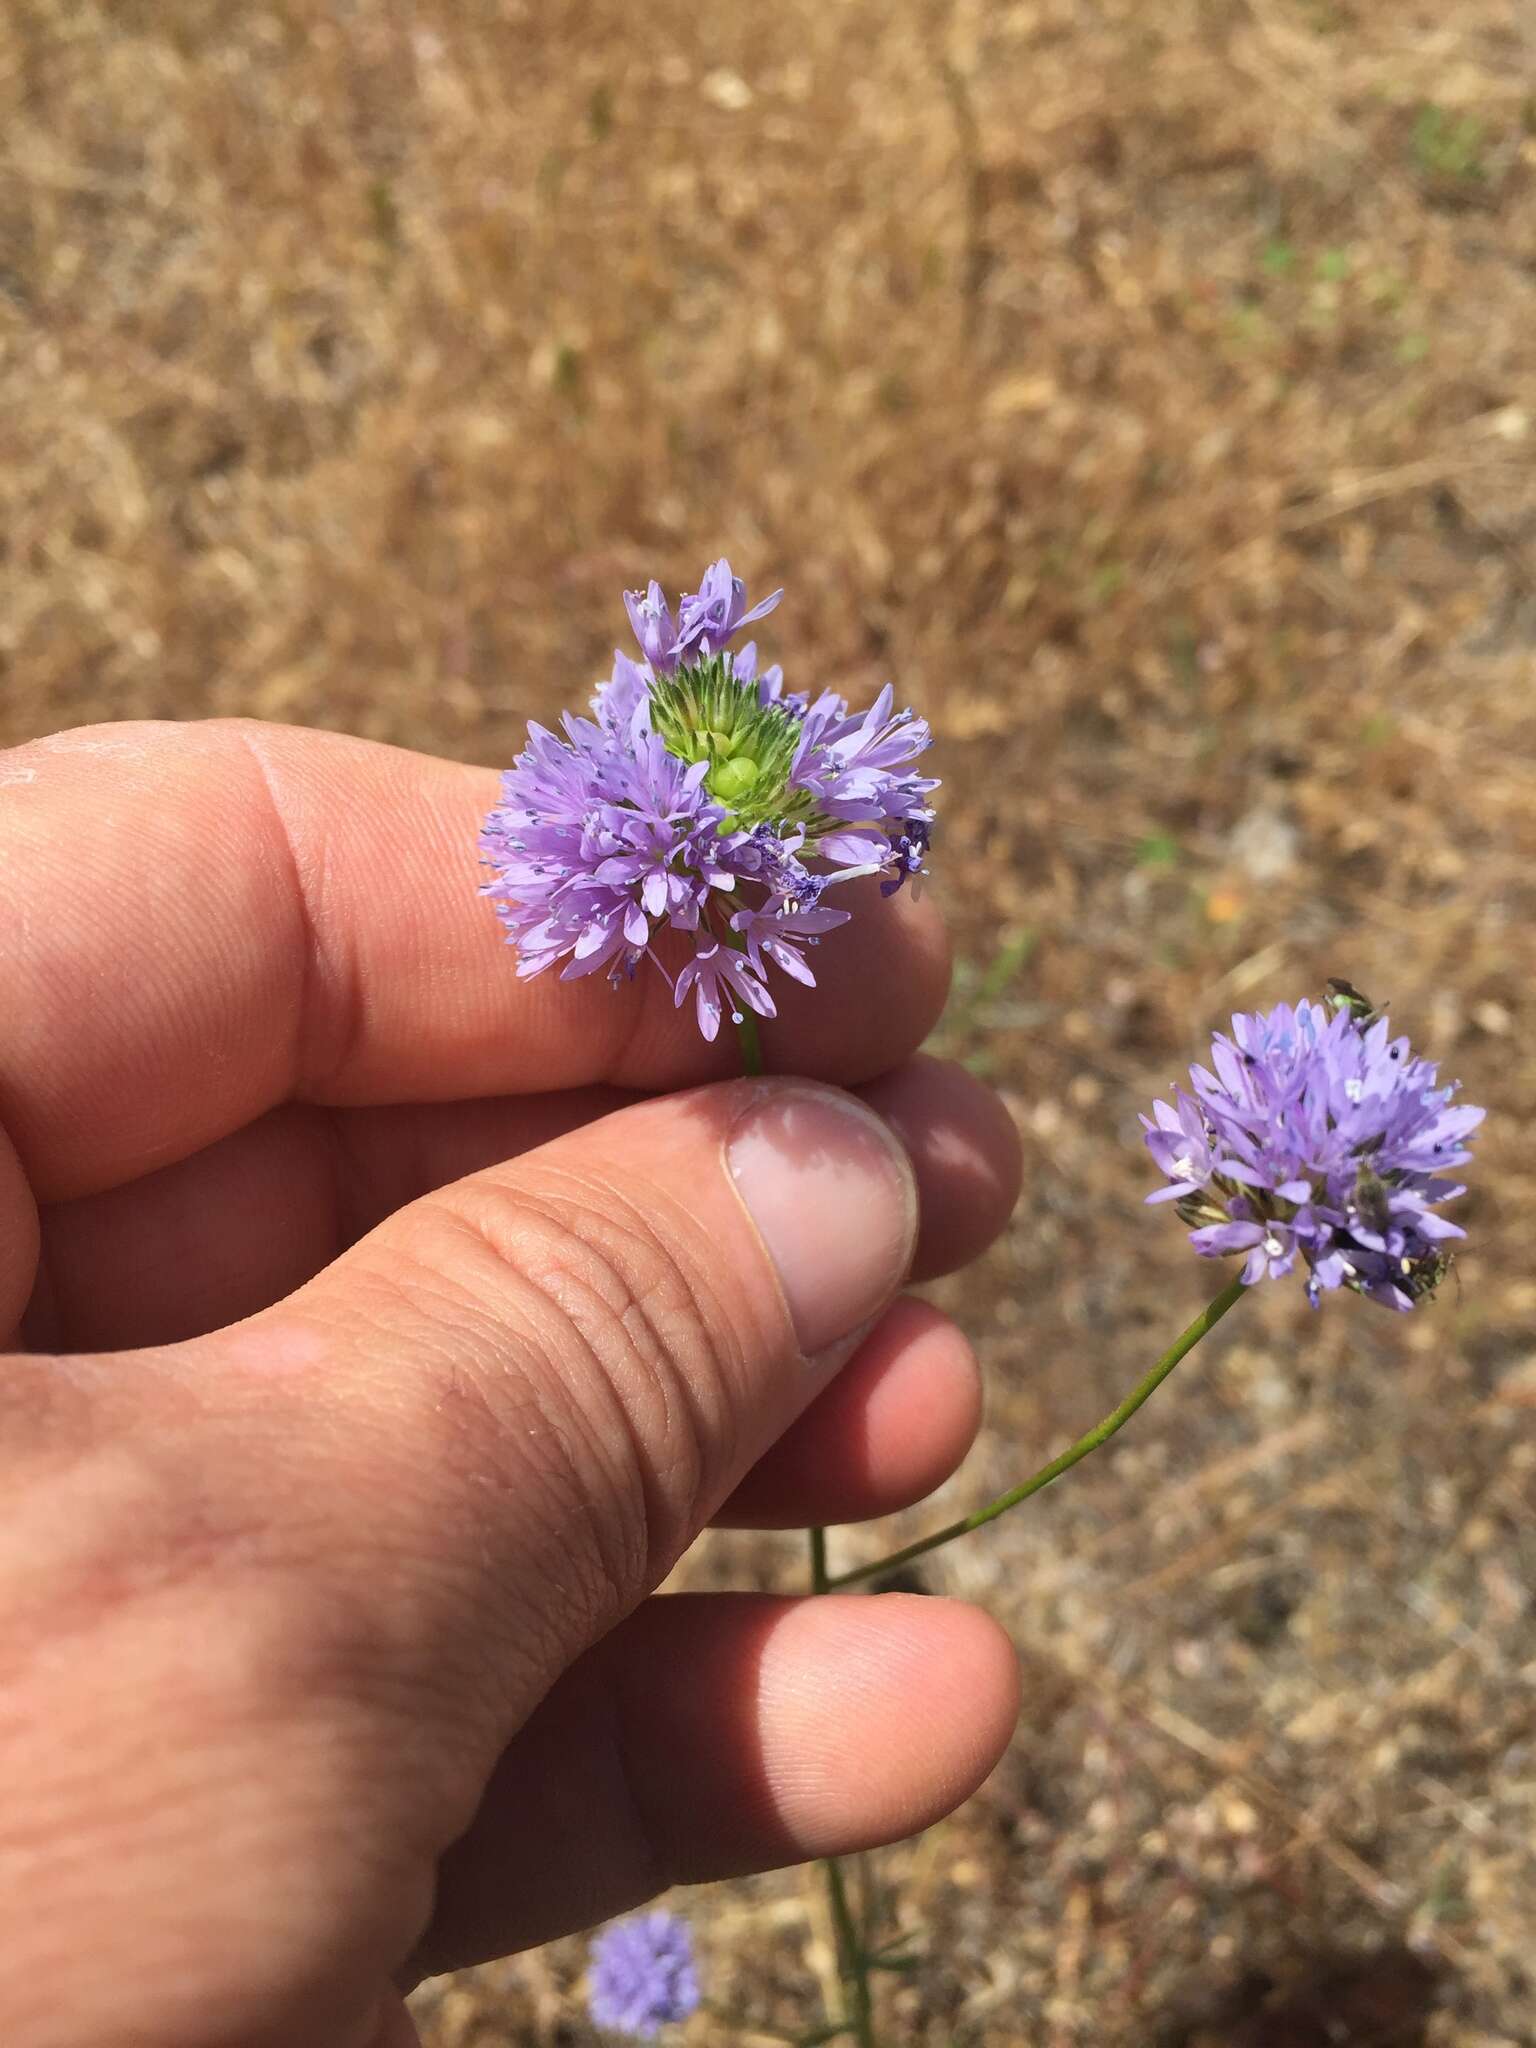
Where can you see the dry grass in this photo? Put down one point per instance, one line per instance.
(1152, 390)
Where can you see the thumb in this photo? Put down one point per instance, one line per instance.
(543, 1380)
(331, 1558)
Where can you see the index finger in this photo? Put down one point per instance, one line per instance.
(198, 922)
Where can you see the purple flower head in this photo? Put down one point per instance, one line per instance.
(1317, 1138)
(702, 797)
(643, 1976)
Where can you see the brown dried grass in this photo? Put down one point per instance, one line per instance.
(1153, 392)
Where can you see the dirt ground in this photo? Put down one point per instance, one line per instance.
(1150, 391)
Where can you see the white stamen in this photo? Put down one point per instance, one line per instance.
(1273, 1246)
(1354, 1090)
(1184, 1168)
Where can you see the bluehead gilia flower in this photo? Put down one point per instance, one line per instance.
(642, 1975)
(702, 797)
(1319, 1140)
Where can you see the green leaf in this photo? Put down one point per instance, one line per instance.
(1447, 145)
(1007, 963)
(1278, 259)
(1159, 850)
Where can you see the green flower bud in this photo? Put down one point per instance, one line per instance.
(733, 781)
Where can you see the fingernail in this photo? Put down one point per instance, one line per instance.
(831, 1192)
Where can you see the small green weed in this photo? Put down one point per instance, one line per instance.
(1450, 146)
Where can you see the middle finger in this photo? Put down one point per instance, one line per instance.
(241, 1224)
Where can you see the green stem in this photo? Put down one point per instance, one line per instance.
(746, 1023)
(850, 1956)
(852, 1963)
(1207, 1320)
(751, 1042)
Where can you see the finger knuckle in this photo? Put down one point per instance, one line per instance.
(601, 1367)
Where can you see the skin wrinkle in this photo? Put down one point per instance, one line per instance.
(576, 1393)
(702, 1326)
(504, 1651)
(681, 1335)
(672, 1221)
(537, 1367)
(491, 1430)
(358, 1661)
(20, 1236)
(319, 965)
(590, 1708)
(43, 1323)
(662, 1867)
(612, 1366)
(655, 1871)
(143, 1534)
(345, 1176)
(329, 1798)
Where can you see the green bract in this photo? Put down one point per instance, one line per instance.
(704, 713)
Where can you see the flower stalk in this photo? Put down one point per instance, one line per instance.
(852, 1962)
(1101, 1432)
(751, 1043)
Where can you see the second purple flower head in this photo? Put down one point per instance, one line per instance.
(1317, 1139)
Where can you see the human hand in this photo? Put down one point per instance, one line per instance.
(379, 1347)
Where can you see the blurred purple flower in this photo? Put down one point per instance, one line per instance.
(1321, 1139)
(703, 798)
(643, 1976)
